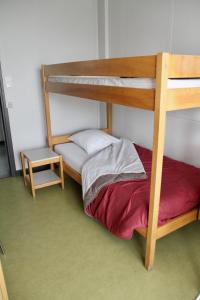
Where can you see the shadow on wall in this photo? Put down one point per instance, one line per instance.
(4, 164)
(2, 137)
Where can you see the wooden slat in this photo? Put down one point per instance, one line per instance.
(45, 162)
(140, 98)
(183, 98)
(62, 139)
(40, 186)
(184, 66)
(46, 184)
(177, 223)
(141, 66)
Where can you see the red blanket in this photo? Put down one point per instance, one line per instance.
(122, 207)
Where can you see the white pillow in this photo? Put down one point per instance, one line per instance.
(93, 140)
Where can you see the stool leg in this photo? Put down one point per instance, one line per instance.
(61, 173)
(31, 179)
(23, 167)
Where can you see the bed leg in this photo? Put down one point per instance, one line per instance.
(150, 254)
(157, 158)
(61, 173)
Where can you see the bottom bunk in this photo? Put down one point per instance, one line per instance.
(122, 207)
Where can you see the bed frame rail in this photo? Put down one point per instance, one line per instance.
(139, 98)
(180, 66)
(184, 66)
(173, 224)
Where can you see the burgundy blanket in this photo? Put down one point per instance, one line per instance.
(122, 207)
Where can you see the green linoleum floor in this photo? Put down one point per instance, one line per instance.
(55, 252)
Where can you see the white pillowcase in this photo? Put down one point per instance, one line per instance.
(93, 140)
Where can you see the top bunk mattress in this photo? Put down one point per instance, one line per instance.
(140, 83)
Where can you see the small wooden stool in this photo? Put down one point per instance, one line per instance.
(41, 157)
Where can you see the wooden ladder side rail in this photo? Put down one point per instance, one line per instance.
(47, 106)
(157, 158)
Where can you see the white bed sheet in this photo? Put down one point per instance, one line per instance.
(72, 154)
(143, 83)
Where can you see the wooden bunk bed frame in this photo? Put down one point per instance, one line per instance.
(159, 100)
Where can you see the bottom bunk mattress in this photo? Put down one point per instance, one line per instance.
(72, 154)
(123, 207)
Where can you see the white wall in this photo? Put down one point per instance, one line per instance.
(44, 32)
(146, 27)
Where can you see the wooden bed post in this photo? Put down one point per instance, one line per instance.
(47, 107)
(157, 159)
(109, 116)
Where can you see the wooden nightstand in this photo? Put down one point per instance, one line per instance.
(41, 157)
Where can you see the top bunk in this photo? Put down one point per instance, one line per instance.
(133, 81)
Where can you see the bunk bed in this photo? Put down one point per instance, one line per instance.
(159, 83)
